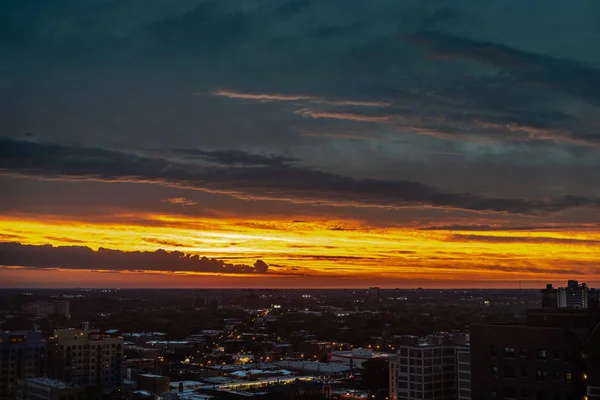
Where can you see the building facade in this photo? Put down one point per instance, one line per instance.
(573, 296)
(553, 355)
(42, 309)
(86, 357)
(436, 368)
(22, 355)
(463, 359)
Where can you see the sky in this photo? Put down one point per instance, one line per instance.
(299, 143)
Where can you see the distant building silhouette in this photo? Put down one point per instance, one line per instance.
(574, 295)
(549, 297)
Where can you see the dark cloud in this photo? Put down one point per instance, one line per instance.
(80, 257)
(572, 77)
(294, 184)
(162, 242)
(331, 258)
(485, 228)
(64, 239)
(522, 269)
(520, 239)
(237, 157)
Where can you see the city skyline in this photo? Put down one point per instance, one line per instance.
(299, 144)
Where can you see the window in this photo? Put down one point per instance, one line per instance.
(541, 375)
(493, 351)
(509, 372)
(523, 352)
(494, 370)
(568, 377)
(540, 354)
(557, 374)
(510, 392)
(524, 372)
(494, 391)
(509, 352)
(556, 354)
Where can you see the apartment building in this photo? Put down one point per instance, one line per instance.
(436, 367)
(22, 355)
(86, 357)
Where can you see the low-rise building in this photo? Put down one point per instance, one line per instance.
(156, 384)
(356, 357)
(50, 389)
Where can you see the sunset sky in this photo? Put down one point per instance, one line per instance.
(299, 143)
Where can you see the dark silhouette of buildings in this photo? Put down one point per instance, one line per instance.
(555, 354)
(574, 295)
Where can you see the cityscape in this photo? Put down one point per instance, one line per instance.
(301, 344)
(299, 199)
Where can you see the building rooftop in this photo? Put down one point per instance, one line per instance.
(312, 366)
(152, 376)
(359, 353)
(186, 384)
(52, 383)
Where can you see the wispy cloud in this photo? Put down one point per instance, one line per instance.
(182, 201)
(236, 157)
(261, 97)
(342, 116)
(525, 240)
(272, 97)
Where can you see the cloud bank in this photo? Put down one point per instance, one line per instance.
(288, 183)
(81, 257)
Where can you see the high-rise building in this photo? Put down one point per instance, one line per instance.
(22, 355)
(574, 295)
(555, 354)
(436, 368)
(463, 359)
(549, 297)
(86, 357)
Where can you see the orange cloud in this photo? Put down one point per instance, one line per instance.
(182, 201)
(269, 97)
(316, 251)
(343, 116)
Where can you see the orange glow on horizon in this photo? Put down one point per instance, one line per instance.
(319, 251)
